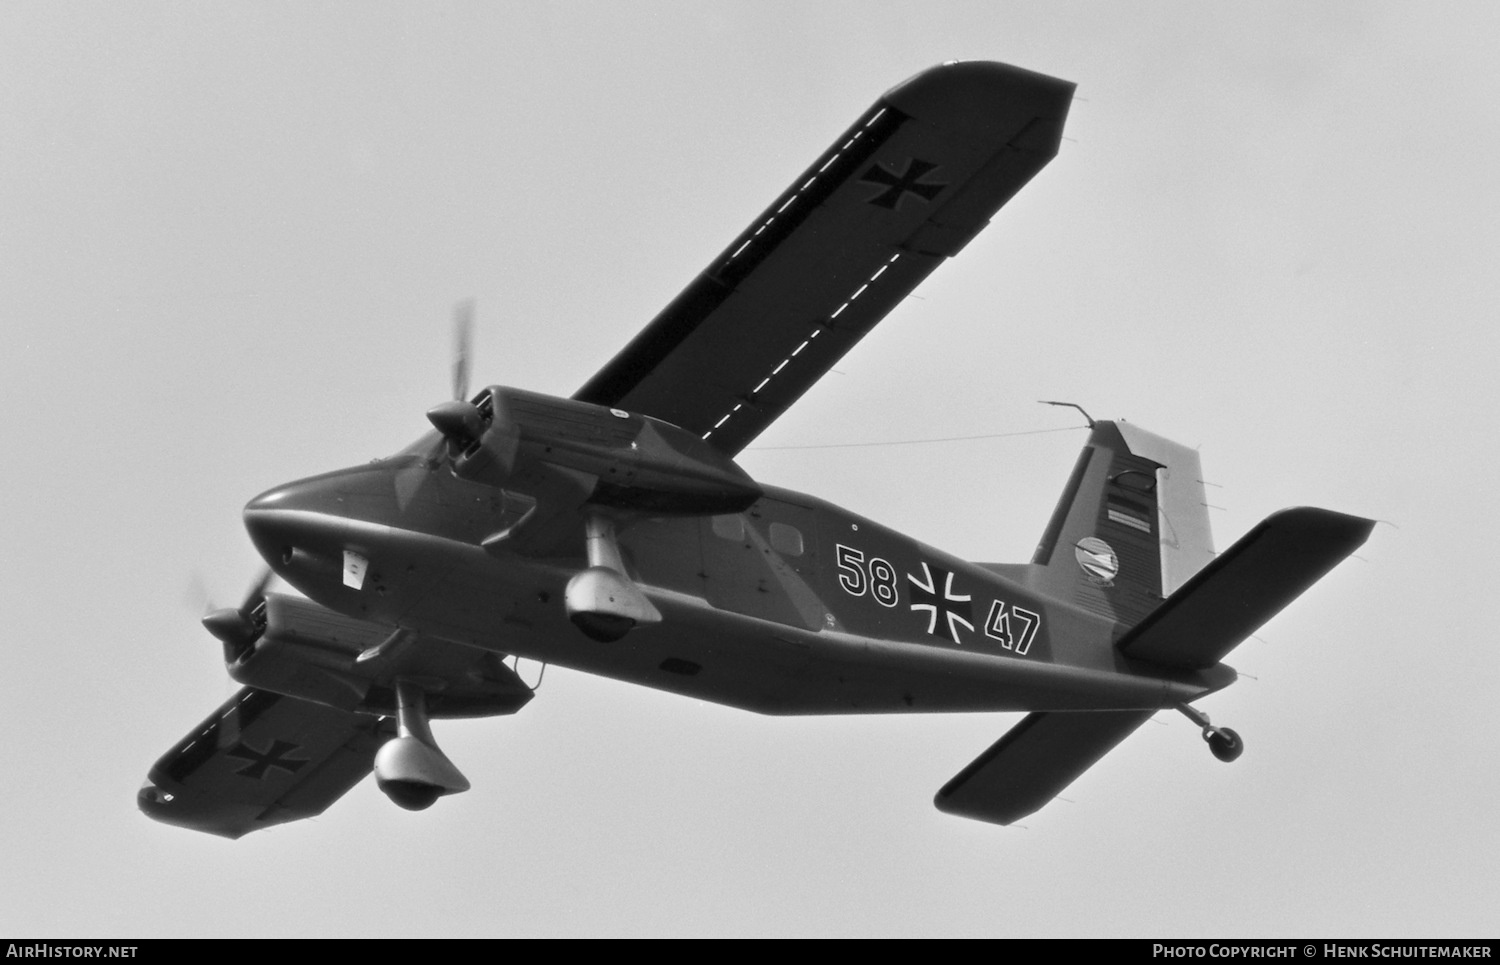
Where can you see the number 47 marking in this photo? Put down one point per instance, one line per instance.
(1001, 625)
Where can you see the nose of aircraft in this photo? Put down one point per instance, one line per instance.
(308, 530)
(299, 515)
(269, 519)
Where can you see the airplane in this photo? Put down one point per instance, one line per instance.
(612, 532)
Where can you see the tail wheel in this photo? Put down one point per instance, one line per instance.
(1224, 743)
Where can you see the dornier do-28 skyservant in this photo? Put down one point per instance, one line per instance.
(613, 532)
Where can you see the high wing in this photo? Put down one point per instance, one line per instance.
(915, 178)
(262, 759)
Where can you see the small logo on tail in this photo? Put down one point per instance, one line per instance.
(1097, 560)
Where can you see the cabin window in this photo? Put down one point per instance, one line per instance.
(786, 539)
(729, 527)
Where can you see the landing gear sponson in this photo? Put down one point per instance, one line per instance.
(410, 769)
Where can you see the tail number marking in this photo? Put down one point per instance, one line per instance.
(948, 612)
(857, 576)
(1014, 627)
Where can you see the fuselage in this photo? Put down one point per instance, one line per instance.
(790, 606)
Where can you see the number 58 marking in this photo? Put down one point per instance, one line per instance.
(856, 576)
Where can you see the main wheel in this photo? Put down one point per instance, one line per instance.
(1225, 744)
(411, 795)
(604, 627)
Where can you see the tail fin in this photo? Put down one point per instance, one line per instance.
(1131, 526)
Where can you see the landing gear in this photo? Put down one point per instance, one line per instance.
(1223, 743)
(409, 768)
(602, 601)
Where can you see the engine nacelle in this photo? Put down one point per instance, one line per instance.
(415, 774)
(304, 650)
(635, 462)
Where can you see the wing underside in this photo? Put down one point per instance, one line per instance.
(915, 178)
(262, 759)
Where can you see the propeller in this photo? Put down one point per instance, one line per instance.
(458, 419)
(238, 629)
(463, 340)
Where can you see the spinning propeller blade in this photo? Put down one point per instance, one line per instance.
(458, 419)
(463, 337)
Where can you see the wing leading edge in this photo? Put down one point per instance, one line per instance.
(915, 178)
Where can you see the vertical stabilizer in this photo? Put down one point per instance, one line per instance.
(1131, 526)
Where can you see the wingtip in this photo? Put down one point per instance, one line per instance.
(1344, 528)
(975, 87)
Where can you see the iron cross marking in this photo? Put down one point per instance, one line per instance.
(934, 593)
(260, 762)
(895, 186)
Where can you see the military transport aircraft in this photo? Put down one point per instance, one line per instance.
(612, 532)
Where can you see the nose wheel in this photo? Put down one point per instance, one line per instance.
(1223, 743)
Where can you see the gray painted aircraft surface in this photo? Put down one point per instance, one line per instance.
(612, 532)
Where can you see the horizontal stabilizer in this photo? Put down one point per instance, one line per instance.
(1033, 762)
(1247, 585)
(259, 760)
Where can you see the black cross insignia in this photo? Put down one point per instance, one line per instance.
(934, 593)
(894, 187)
(260, 762)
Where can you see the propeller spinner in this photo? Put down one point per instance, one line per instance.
(239, 628)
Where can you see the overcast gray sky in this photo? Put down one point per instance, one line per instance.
(230, 239)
